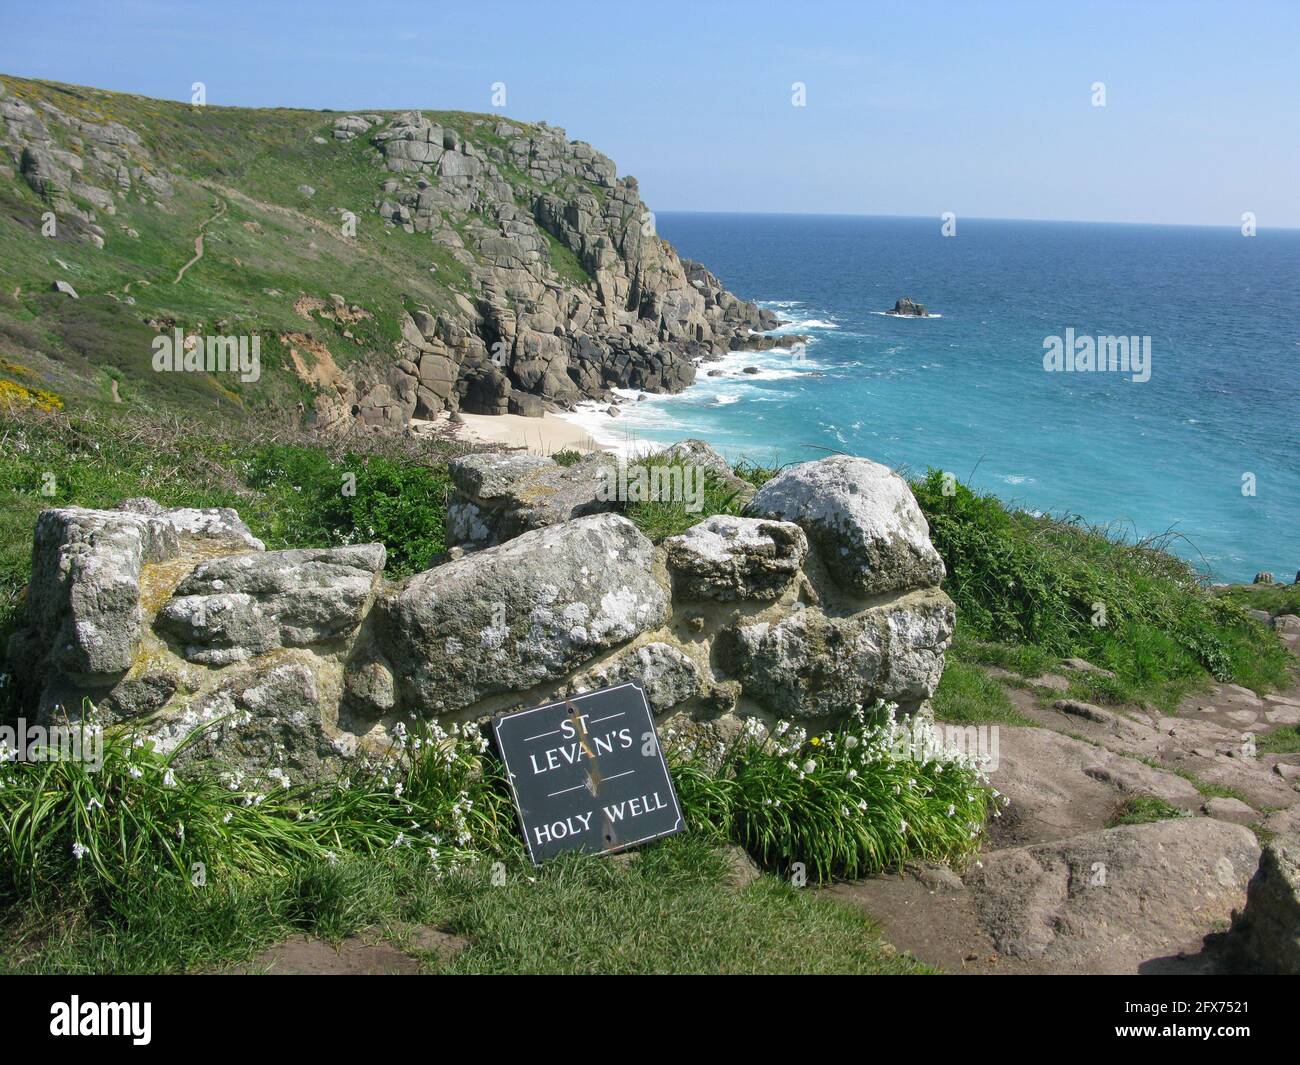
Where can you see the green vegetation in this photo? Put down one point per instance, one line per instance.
(662, 518)
(1065, 588)
(1273, 598)
(968, 696)
(289, 488)
(847, 803)
(666, 911)
(1143, 809)
(235, 175)
(1284, 740)
(140, 864)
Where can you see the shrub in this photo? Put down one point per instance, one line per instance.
(358, 499)
(1071, 589)
(845, 803)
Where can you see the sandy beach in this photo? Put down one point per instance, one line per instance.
(540, 436)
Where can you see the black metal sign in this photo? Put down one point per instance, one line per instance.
(588, 774)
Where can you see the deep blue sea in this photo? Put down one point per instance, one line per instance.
(967, 392)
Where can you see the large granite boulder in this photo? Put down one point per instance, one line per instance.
(812, 665)
(862, 519)
(83, 601)
(235, 607)
(500, 496)
(728, 558)
(511, 616)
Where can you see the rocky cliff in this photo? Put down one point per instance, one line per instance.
(545, 280)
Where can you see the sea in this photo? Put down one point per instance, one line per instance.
(1201, 441)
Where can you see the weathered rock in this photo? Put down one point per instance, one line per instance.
(666, 675)
(1263, 578)
(1227, 809)
(809, 664)
(83, 601)
(697, 453)
(862, 520)
(232, 608)
(213, 523)
(907, 308)
(1110, 901)
(500, 496)
(727, 558)
(1265, 935)
(268, 719)
(66, 288)
(529, 610)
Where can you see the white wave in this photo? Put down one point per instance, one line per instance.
(802, 325)
(725, 399)
(915, 317)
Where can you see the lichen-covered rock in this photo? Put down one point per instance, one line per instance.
(666, 674)
(271, 718)
(809, 664)
(83, 602)
(500, 496)
(234, 607)
(861, 518)
(728, 558)
(529, 610)
(213, 523)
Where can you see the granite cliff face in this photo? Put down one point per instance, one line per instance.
(549, 283)
(641, 318)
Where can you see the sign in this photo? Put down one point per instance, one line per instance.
(588, 774)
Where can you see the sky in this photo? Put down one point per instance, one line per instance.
(919, 108)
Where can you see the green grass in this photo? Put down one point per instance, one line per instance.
(1143, 809)
(667, 911)
(145, 864)
(850, 802)
(662, 518)
(968, 696)
(1284, 740)
(1274, 598)
(1068, 589)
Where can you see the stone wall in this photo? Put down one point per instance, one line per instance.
(824, 596)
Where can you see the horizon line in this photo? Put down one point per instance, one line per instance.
(973, 218)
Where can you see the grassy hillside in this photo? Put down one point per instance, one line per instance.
(238, 173)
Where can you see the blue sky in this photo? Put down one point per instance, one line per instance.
(917, 108)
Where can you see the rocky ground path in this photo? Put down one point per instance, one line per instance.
(1057, 888)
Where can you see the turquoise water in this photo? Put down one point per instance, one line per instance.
(967, 392)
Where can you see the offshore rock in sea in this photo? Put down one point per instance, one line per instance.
(907, 308)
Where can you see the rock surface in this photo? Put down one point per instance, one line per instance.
(233, 608)
(500, 496)
(1109, 901)
(296, 661)
(1265, 936)
(526, 611)
(727, 558)
(810, 664)
(863, 520)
